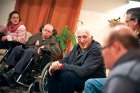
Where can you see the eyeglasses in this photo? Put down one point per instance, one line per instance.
(84, 36)
(128, 20)
(14, 17)
(45, 30)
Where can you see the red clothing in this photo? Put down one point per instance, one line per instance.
(16, 33)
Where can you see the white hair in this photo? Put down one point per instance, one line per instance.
(85, 30)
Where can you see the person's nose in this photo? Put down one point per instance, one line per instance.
(82, 40)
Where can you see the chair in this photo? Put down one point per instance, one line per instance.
(34, 69)
(31, 70)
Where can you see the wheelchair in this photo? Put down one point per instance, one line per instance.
(41, 80)
(6, 48)
(32, 71)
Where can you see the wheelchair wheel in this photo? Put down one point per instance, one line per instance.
(43, 80)
(30, 88)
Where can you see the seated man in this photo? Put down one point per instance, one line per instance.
(41, 43)
(85, 61)
(132, 19)
(120, 47)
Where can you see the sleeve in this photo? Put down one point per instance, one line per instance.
(20, 34)
(54, 49)
(119, 85)
(91, 64)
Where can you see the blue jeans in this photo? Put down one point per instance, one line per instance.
(94, 85)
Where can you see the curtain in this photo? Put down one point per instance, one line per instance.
(60, 13)
(34, 13)
(66, 12)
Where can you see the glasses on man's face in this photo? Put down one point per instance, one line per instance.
(129, 20)
(45, 30)
(84, 36)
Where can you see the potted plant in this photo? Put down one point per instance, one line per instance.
(65, 37)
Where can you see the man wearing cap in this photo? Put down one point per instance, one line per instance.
(41, 44)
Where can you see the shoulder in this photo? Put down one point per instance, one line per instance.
(95, 47)
(135, 72)
(52, 38)
(132, 70)
(119, 84)
(95, 44)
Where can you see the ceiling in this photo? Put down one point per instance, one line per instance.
(102, 5)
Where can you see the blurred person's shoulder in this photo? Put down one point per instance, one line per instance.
(128, 66)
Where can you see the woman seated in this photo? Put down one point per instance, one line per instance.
(14, 31)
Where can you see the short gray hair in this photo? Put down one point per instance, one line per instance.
(83, 29)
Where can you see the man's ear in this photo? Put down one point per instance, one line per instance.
(136, 22)
(117, 46)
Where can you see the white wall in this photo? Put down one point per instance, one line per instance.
(95, 13)
(6, 6)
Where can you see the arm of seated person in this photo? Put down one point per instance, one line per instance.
(54, 50)
(55, 66)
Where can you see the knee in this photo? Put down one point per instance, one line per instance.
(89, 82)
(67, 74)
(30, 50)
(17, 49)
(96, 83)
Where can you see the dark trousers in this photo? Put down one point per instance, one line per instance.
(14, 56)
(3, 45)
(20, 57)
(9, 44)
(64, 82)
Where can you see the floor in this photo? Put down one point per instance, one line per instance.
(12, 90)
(4, 89)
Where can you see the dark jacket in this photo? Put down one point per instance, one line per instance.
(51, 45)
(125, 75)
(87, 64)
(31, 41)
